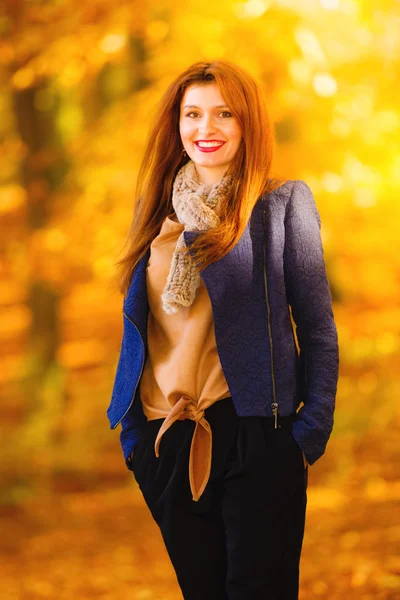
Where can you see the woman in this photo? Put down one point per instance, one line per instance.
(222, 261)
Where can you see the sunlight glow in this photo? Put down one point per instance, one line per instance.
(324, 85)
(112, 43)
(251, 9)
(330, 4)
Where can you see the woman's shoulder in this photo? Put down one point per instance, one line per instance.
(287, 188)
(288, 191)
(293, 199)
(277, 195)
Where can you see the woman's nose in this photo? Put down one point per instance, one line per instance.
(206, 125)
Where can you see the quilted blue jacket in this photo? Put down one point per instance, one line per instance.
(277, 262)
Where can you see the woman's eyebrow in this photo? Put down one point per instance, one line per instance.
(194, 106)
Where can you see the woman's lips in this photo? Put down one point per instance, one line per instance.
(210, 149)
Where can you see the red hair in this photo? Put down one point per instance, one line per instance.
(163, 158)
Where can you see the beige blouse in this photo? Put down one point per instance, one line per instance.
(182, 375)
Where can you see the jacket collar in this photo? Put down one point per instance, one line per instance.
(220, 277)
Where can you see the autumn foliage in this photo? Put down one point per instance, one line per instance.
(78, 84)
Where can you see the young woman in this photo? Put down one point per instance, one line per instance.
(228, 328)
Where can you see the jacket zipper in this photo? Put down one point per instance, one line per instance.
(141, 371)
(274, 405)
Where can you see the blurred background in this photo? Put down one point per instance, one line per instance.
(79, 81)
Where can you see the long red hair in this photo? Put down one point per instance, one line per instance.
(163, 158)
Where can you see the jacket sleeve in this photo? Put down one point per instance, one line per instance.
(309, 296)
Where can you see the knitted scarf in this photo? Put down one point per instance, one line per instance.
(197, 206)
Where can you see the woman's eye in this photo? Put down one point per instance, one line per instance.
(222, 112)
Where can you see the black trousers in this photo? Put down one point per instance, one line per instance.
(242, 540)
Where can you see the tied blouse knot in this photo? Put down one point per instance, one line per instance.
(182, 375)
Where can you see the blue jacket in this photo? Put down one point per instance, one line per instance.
(278, 261)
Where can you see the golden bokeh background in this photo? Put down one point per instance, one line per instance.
(79, 82)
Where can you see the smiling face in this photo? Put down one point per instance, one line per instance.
(204, 116)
